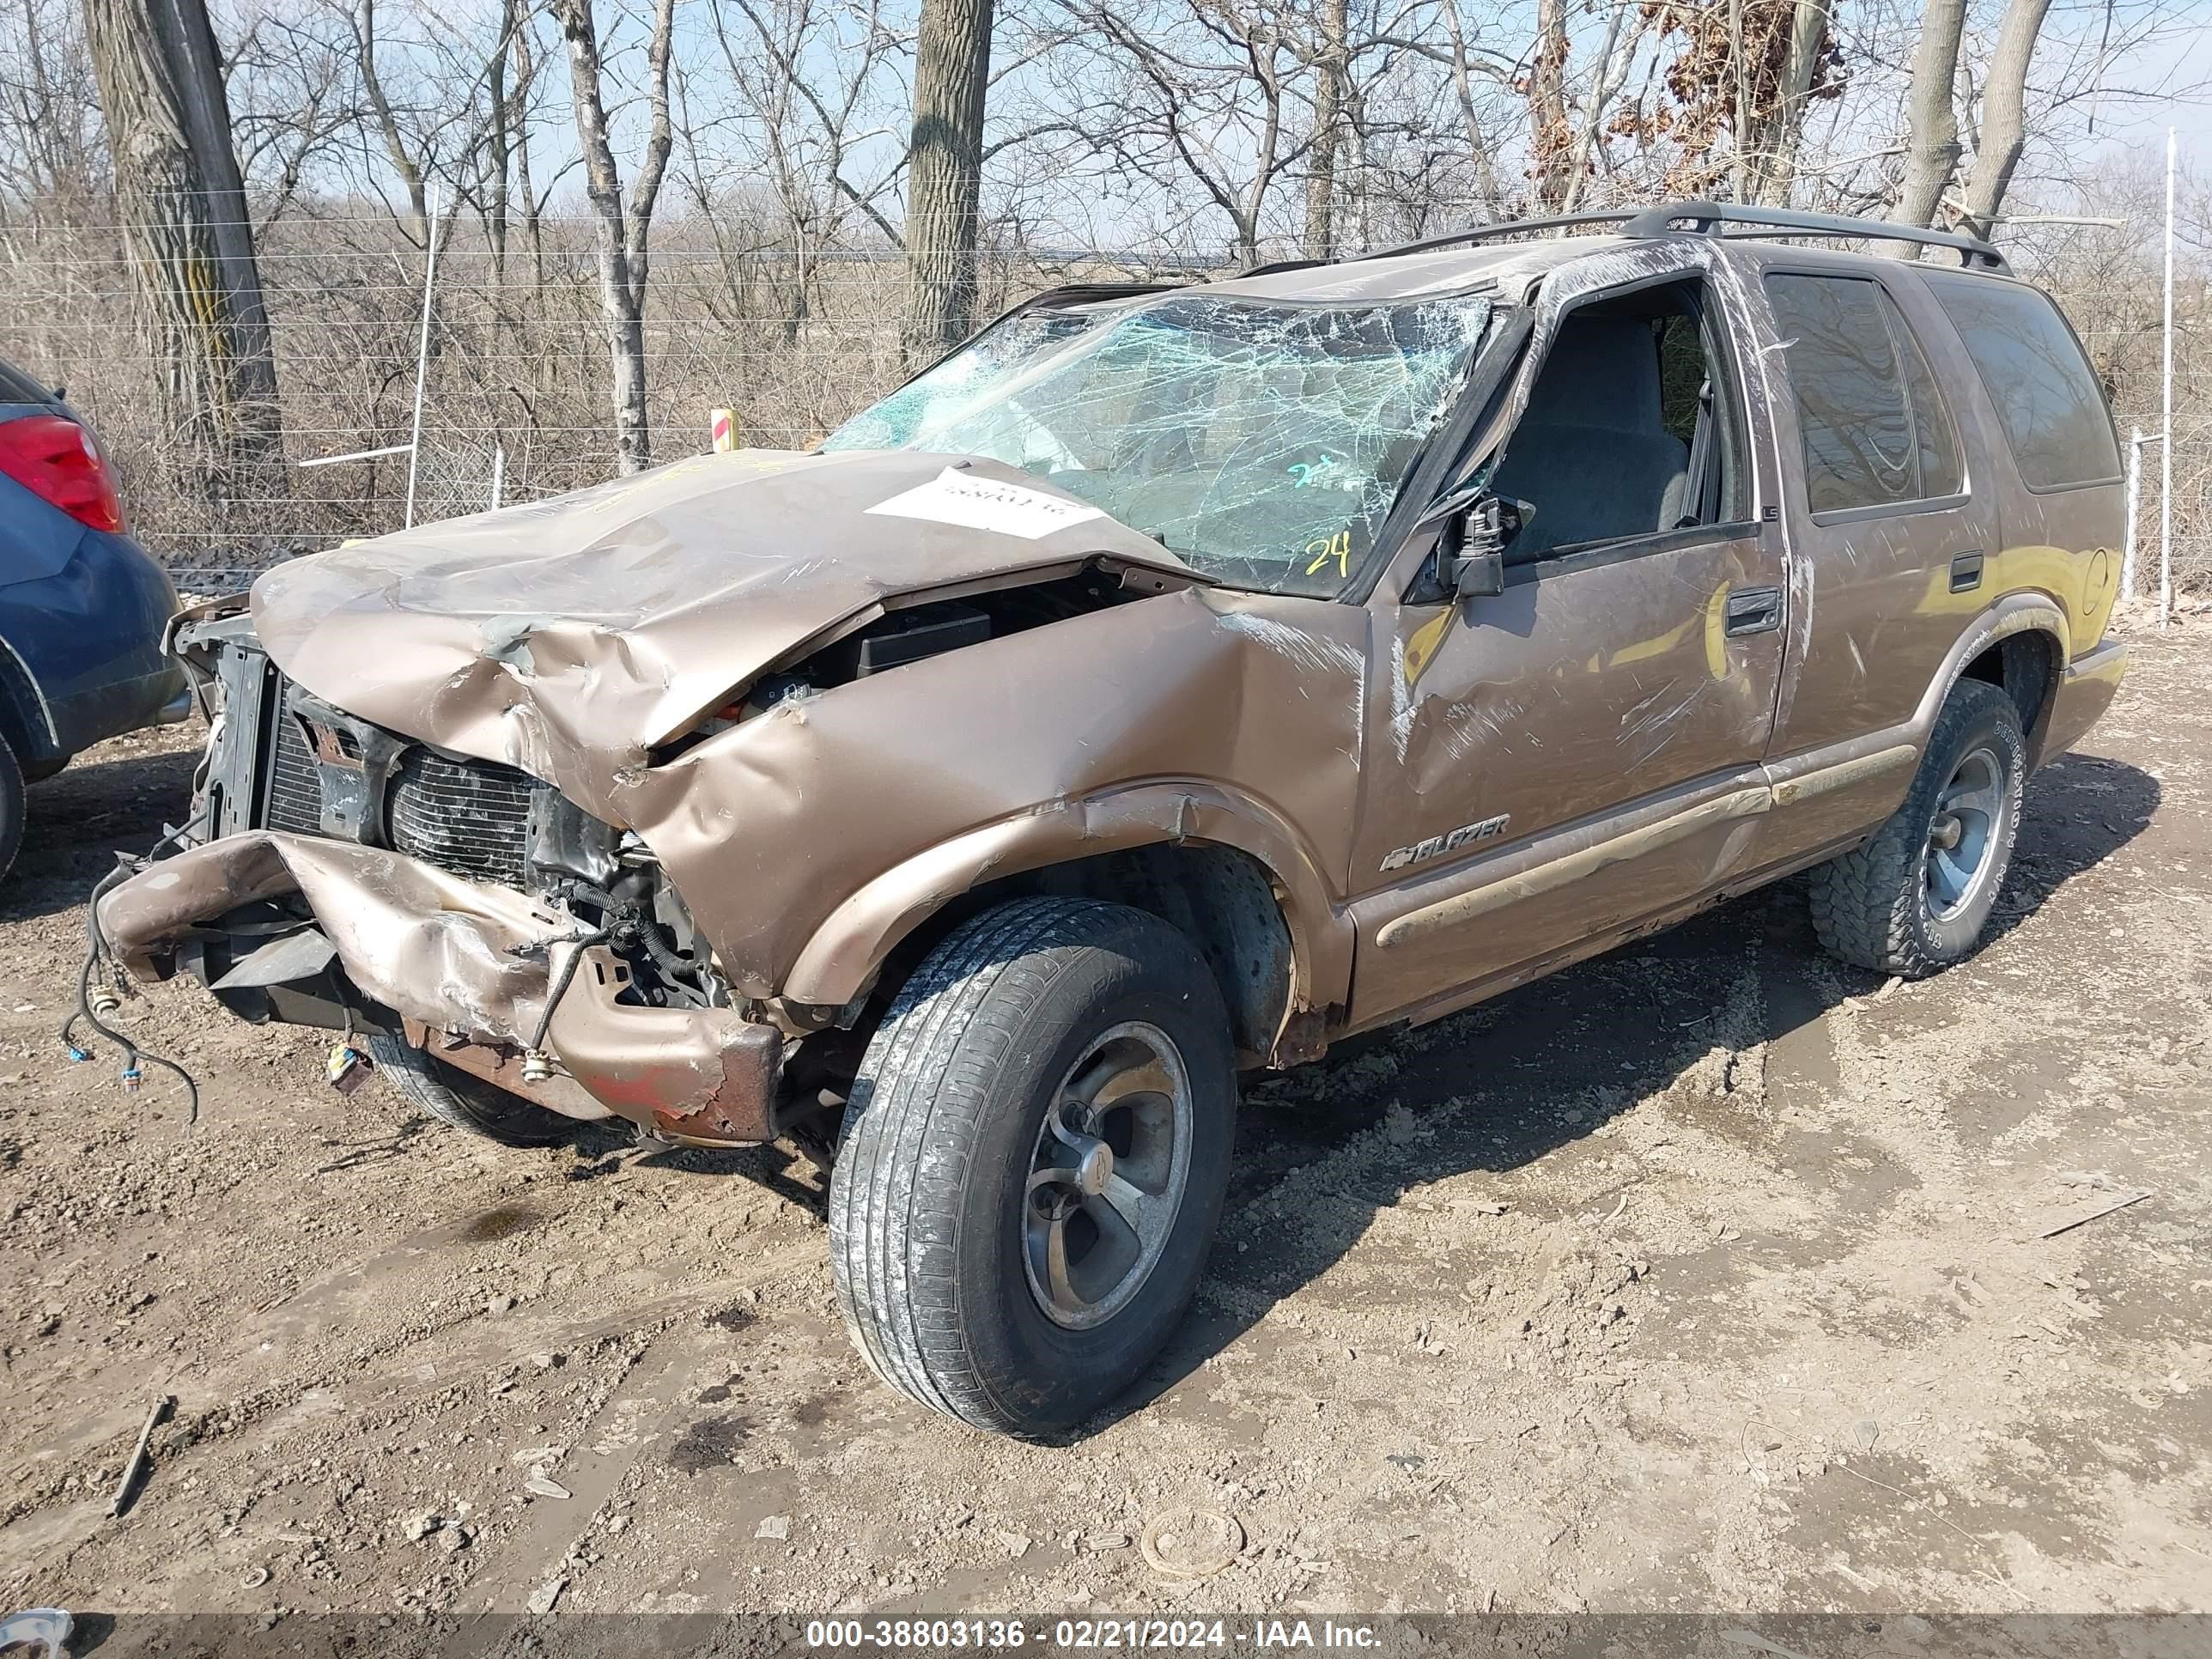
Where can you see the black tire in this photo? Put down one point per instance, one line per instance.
(1876, 907)
(451, 1096)
(11, 806)
(930, 1200)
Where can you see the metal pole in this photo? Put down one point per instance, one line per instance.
(499, 474)
(421, 358)
(2135, 499)
(2165, 407)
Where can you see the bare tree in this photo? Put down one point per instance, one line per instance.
(1332, 69)
(945, 171)
(1770, 140)
(1737, 88)
(625, 228)
(1932, 150)
(49, 152)
(183, 207)
(2004, 115)
(1551, 136)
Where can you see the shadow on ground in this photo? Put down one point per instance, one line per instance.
(77, 821)
(1614, 1030)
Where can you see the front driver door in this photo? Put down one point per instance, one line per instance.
(1553, 765)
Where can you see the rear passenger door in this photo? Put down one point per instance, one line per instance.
(1888, 532)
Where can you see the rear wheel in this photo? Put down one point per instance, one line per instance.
(1033, 1162)
(451, 1096)
(11, 806)
(1917, 896)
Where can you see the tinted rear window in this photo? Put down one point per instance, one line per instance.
(17, 387)
(1876, 431)
(2047, 401)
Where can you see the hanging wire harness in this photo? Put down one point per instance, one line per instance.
(95, 1002)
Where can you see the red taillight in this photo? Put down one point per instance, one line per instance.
(56, 460)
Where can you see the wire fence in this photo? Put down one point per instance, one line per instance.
(517, 379)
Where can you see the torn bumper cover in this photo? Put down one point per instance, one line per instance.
(459, 957)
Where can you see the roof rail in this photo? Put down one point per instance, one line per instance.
(1503, 227)
(1707, 218)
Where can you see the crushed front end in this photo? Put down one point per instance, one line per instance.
(336, 873)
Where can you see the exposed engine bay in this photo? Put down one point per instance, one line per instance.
(281, 759)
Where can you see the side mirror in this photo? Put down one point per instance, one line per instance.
(1472, 555)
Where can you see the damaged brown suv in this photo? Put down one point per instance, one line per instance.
(1167, 683)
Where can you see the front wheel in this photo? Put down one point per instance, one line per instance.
(453, 1096)
(1033, 1162)
(1917, 896)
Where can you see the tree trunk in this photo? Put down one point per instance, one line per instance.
(189, 241)
(1550, 139)
(387, 122)
(2004, 114)
(499, 167)
(624, 233)
(945, 169)
(1775, 167)
(1931, 154)
(1329, 74)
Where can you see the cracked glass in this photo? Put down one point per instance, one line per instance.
(1263, 444)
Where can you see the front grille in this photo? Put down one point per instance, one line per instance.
(470, 818)
(295, 786)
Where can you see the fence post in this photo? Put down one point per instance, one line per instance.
(2166, 404)
(499, 474)
(2135, 499)
(421, 357)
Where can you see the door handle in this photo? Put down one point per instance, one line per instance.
(1965, 573)
(1754, 611)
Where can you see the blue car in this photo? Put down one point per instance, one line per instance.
(82, 606)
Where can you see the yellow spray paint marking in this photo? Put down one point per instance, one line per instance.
(1716, 662)
(1325, 548)
(1644, 650)
(1421, 644)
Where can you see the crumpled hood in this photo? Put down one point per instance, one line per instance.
(600, 623)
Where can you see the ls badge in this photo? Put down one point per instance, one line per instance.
(1437, 846)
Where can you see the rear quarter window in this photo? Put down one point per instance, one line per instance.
(2048, 403)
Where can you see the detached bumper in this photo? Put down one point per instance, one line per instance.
(456, 959)
(2086, 690)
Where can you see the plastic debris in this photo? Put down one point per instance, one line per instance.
(44, 1632)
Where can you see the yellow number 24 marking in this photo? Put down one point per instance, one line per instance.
(1325, 548)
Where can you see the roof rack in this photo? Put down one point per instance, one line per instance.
(1504, 228)
(1707, 218)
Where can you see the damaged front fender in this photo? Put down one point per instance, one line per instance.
(473, 960)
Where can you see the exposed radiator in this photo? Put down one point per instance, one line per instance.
(471, 817)
(295, 786)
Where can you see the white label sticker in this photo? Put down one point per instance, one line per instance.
(962, 498)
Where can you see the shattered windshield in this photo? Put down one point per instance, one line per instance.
(1260, 442)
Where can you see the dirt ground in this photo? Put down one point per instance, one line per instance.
(1708, 1275)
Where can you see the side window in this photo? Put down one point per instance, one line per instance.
(2047, 401)
(1935, 439)
(1630, 429)
(1876, 430)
